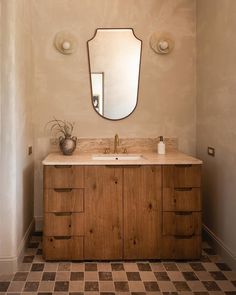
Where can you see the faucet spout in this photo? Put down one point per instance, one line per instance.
(116, 143)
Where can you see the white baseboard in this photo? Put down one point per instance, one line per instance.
(227, 254)
(9, 264)
(38, 223)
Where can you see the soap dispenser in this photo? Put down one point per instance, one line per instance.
(161, 147)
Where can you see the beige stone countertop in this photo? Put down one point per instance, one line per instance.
(170, 158)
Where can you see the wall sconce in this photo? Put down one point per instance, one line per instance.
(162, 43)
(65, 43)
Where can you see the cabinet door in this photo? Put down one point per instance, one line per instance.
(103, 213)
(142, 212)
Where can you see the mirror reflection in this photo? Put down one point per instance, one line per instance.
(114, 61)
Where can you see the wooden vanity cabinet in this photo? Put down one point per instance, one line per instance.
(181, 212)
(122, 212)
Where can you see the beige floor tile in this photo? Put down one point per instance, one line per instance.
(209, 266)
(91, 276)
(147, 276)
(76, 286)
(77, 266)
(226, 286)
(59, 293)
(27, 293)
(104, 267)
(215, 258)
(34, 276)
(166, 286)
(119, 276)
(131, 266)
(6, 277)
(64, 266)
(16, 286)
(184, 267)
(63, 276)
(24, 267)
(51, 266)
(216, 292)
(38, 258)
(46, 286)
(204, 276)
(106, 287)
(136, 286)
(196, 286)
(175, 276)
(157, 266)
(230, 275)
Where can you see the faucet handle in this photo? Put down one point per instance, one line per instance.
(107, 151)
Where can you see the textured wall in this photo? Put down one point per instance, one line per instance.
(61, 83)
(216, 120)
(16, 207)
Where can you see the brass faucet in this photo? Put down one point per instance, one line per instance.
(116, 143)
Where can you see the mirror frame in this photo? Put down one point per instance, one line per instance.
(90, 79)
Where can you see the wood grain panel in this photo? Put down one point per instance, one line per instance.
(181, 248)
(63, 248)
(63, 176)
(181, 200)
(142, 212)
(103, 212)
(180, 176)
(63, 224)
(63, 200)
(181, 223)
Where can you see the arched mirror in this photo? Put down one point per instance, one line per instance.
(114, 63)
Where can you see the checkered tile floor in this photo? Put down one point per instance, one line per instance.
(210, 275)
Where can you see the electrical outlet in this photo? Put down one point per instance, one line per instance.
(30, 150)
(211, 151)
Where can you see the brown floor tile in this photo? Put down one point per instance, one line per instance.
(144, 267)
(234, 283)
(117, 266)
(28, 259)
(230, 275)
(20, 276)
(4, 286)
(61, 286)
(90, 266)
(157, 266)
(226, 286)
(37, 267)
(196, 286)
(230, 293)
(223, 266)
(200, 293)
(133, 276)
(218, 275)
(49, 276)
(77, 276)
(105, 276)
(162, 276)
(107, 293)
(170, 293)
(33, 245)
(121, 286)
(31, 286)
(197, 266)
(170, 266)
(211, 286)
(91, 286)
(210, 251)
(190, 276)
(45, 293)
(181, 286)
(151, 286)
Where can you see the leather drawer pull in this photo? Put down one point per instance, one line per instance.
(183, 213)
(62, 213)
(62, 166)
(183, 165)
(62, 238)
(179, 237)
(183, 189)
(63, 190)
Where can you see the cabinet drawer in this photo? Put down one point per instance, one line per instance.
(63, 176)
(181, 223)
(184, 199)
(64, 224)
(64, 200)
(181, 248)
(182, 176)
(63, 248)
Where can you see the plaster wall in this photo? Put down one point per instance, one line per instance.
(16, 208)
(216, 120)
(167, 93)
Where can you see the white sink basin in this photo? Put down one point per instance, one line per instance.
(117, 157)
